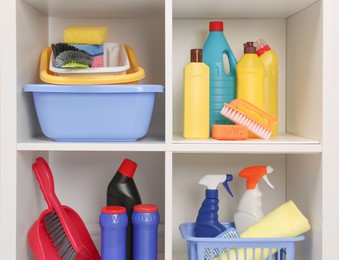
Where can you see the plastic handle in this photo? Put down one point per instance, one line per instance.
(241, 102)
(45, 179)
(231, 61)
(229, 177)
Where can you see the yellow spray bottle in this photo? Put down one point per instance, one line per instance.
(196, 97)
(270, 61)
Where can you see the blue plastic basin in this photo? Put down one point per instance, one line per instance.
(97, 113)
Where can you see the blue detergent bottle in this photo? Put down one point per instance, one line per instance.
(222, 84)
(207, 223)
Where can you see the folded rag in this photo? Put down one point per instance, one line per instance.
(285, 221)
(91, 49)
(98, 61)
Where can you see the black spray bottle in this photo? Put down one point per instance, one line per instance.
(122, 191)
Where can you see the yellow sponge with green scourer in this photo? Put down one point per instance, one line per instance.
(85, 34)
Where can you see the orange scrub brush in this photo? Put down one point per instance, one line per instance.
(261, 127)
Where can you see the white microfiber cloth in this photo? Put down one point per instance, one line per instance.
(283, 222)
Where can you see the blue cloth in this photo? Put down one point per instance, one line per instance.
(91, 49)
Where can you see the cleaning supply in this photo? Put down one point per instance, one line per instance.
(91, 49)
(250, 79)
(98, 61)
(59, 231)
(222, 84)
(229, 233)
(122, 191)
(250, 205)
(283, 222)
(86, 34)
(113, 223)
(229, 132)
(196, 97)
(68, 56)
(145, 219)
(262, 128)
(270, 61)
(207, 223)
(73, 59)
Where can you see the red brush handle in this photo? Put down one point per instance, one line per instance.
(44, 176)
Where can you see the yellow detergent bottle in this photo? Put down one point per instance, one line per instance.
(196, 97)
(250, 80)
(270, 61)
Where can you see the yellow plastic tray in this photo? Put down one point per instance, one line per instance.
(135, 73)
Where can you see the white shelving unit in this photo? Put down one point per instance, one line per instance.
(304, 155)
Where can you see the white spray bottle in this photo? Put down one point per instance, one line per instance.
(207, 223)
(250, 205)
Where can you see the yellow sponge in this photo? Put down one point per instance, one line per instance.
(85, 34)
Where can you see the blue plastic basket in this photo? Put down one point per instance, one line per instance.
(94, 112)
(200, 248)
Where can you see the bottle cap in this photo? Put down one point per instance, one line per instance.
(196, 55)
(127, 168)
(249, 47)
(113, 210)
(216, 26)
(145, 208)
(261, 46)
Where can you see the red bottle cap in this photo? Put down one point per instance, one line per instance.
(216, 26)
(127, 168)
(145, 208)
(263, 50)
(113, 210)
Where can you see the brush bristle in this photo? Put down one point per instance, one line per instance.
(60, 47)
(67, 57)
(58, 237)
(242, 119)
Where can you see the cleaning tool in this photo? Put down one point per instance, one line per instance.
(283, 222)
(229, 132)
(122, 191)
(60, 47)
(222, 84)
(263, 130)
(250, 205)
(196, 97)
(73, 59)
(113, 223)
(250, 79)
(207, 223)
(86, 34)
(59, 232)
(145, 219)
(67, 56)
(270, 61)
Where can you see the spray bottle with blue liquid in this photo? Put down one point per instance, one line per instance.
(207, 223)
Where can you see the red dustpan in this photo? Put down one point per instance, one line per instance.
(59, 232)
